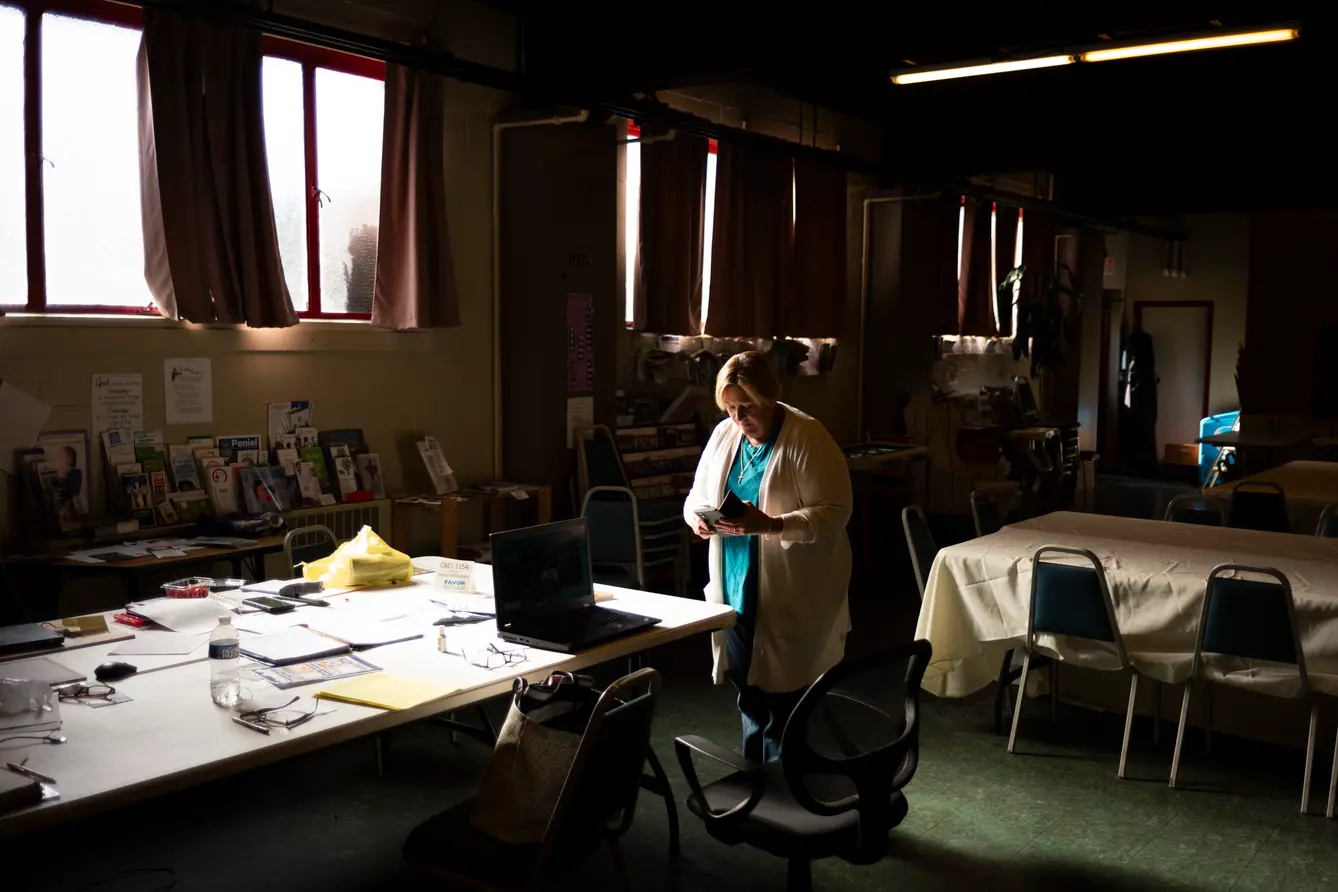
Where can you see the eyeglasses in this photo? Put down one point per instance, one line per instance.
(485, 656)
(279, 716)
(80, 691)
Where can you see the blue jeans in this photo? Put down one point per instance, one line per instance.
(763, 714)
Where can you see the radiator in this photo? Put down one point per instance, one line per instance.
(344, 520)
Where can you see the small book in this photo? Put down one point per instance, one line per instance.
(295, 645)
(369, 470)
(315, 456)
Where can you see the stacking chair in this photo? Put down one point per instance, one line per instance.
(615, 536)
(1195, 510)
(985, 513)
(1328, 522)
(1259, 505)
(849, 748)
(306, 544)
(921, 544)
(595, 807)
(1074, 602)
(1251, 621)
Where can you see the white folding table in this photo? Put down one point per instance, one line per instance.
(172, 736)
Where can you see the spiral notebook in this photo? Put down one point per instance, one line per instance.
(295, 645)
(360, 632)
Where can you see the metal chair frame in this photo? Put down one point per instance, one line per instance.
(1306, 694)
(921, 573)
(1189, 502)
(1029, 644)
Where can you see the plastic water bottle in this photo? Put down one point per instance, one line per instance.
(225, 681)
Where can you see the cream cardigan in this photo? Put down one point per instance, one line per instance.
(803, 573)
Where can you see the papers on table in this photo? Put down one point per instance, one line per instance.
(361, 630)
(345, 666)
(385, 690)
(191, 615)
(295, 645)
(162, 643)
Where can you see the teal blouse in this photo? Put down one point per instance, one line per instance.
(739, 553)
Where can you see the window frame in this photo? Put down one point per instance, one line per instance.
(113, 13)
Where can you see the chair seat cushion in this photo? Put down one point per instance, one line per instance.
(779, 824)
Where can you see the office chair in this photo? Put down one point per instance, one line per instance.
(1194, 509)
(1328, 522)
(921, 544)
(596, 806)
(1259, 505)
(849, 748)
(1247, 621)
(1074, 602)
(306, 544)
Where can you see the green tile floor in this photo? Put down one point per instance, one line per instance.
(1054, 816)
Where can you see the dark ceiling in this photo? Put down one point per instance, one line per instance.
(1234, 129)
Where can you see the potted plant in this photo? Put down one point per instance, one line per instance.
(1044, 323)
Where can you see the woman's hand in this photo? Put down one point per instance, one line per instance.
(701, 529)
(751, 523)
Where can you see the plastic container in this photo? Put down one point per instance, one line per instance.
(226, 585)
(190, 587)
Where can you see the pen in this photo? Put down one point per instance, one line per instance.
(35, 775)
(252, 725)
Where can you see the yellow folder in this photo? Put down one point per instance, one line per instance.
(385, 690)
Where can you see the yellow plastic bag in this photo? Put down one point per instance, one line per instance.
(365, 559)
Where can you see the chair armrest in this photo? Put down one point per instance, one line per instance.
(684, 747)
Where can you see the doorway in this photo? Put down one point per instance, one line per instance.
(1182, 341)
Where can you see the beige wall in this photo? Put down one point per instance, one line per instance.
(1217, 266)
(384, 382)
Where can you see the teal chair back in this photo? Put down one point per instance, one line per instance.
(1072, 600)
(1249, 618)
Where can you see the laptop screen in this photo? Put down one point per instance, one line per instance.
(541, 570)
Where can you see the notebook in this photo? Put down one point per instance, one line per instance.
(41, 669)
(384, 690)
(295, 645)
(360, 632)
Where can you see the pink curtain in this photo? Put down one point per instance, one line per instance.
(975, 291)
(817, 303)
(415, 272)
(673, 195)
(210, 249)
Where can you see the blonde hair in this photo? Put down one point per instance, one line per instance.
(753, 373)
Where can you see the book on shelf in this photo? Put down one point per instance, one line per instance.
(148, 443)
(314, 455)
(244, 449)
(266, 490)
(369, 471)
(66, 454)
(306, 436)
(287, 459)
(443, 478)
(345, 472)
(190, 506)
(181, 462)
(119, 446)
(218, 483)
(139, 497)
(309, 485)
(286, 418)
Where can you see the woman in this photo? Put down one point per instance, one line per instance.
(784, 564)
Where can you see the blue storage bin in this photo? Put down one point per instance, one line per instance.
(1213, 424)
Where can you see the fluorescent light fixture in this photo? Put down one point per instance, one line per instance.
(1217, 41)
(944, 74)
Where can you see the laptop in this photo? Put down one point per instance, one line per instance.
(544, 594)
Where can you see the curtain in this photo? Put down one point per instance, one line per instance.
(1005, 250)
(817, 301)
(1038, 253)
(415, 271)
(975, 291)
(929, 258)
(752, 243)
(210, 249)
(673, 196)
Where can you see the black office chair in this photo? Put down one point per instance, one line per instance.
(596, 806)
(1328, 522)
(921, 544)
(850, 747)
(1259, 505)
(1194, 509)
(306, 544)
(985, 512)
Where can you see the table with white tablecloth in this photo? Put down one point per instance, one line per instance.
(1308, 486)
(975, 603)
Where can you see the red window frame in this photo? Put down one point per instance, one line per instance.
(310, 57)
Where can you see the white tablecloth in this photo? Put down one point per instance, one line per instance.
(975, 604)
(1309, 486)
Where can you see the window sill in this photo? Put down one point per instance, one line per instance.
(80, 331)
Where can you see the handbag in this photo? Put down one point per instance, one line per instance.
(535, 749)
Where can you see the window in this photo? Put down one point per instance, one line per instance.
(13, 219)
(632, 220)
(83, 251)
(323, 122)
